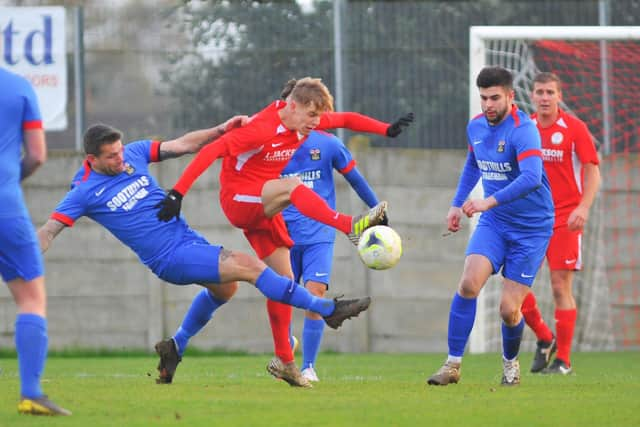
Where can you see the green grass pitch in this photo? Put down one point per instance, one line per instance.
(355, 390)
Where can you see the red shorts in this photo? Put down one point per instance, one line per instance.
(565, 249)
(244, 210)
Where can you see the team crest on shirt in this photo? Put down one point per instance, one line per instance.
(129, 169)
(315, 153)
(501, 145)
(557, 138)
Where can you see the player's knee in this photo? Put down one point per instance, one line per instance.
(316, 288)
(557, 293)
(292, 183)
(224, 291)
(469, 287)
(561, 291)
(29, 296)
(248, 263)
(510, 313)
(239, 266)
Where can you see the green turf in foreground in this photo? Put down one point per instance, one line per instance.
(355, 390)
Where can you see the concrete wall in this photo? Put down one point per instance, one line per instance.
(621, 178)
(100, 296)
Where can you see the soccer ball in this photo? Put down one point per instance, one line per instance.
(380, 247)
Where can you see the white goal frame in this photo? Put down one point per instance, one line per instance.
(477, 60)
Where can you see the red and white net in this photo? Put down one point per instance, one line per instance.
(607, 291)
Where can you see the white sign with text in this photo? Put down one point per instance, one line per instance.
(33, 44)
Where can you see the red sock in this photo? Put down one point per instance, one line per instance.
(565, 324)
(313, 206)
(280, 320)
(533, 318)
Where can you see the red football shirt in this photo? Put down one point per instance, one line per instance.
(257, 152)
(566, 145)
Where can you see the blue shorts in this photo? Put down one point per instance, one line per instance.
(20, 255)
(312, 262)
(518, 253)
(194, 260)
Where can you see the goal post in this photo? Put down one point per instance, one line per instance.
(599, 67)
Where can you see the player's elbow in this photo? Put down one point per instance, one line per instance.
(31, 162)
(35, 158)
(39, 159)
(592, 176)
(532, 181)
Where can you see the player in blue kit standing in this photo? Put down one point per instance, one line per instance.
(515, 226)
(312, 252)
(114, 188)
(21, 263)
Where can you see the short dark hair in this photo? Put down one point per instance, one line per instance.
(494, 76)
(98, 135)
(546, 77)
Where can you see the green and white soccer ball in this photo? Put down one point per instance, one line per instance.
(380, 247)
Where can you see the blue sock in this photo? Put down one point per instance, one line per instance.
(461, 318)
(285, 290)
(311, 338)
(31, 345)
(511, 337)
(202, 308)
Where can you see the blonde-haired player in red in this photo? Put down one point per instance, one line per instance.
(252, 196)
(571, 163)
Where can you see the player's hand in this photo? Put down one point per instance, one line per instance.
(398, 126)
(471, 207)
(578, 218)
(235, 122)
(453, 219)
(169, 206)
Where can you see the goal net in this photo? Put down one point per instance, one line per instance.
(600, 70)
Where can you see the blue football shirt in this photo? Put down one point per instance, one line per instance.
(497, 151)
(124, 204)
(18, 111)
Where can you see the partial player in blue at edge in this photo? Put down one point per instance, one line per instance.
(21, 263)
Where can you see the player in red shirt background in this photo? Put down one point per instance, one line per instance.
(571, 163)
(252, 196)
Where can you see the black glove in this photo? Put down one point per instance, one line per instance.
(169, 206)
(396, 127)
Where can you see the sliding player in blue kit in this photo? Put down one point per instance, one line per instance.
(312, 252)
(515, 226)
